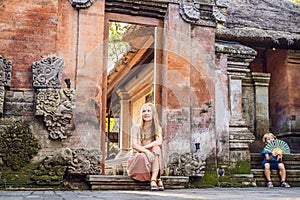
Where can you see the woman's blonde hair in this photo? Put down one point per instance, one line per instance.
(268, 135)
(155, 124)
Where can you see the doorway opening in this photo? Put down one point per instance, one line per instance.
(133, 78)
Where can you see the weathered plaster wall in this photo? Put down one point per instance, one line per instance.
(284, 95)
(188, 78)
(279, 87)
(222, 115)
(89, 73)
(202, 78)
(177, 82)
(294, 88)
(67, 39)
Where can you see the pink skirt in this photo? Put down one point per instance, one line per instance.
(139, 167)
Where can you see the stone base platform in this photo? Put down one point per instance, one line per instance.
(120, 182)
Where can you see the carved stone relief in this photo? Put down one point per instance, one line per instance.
(85, 162)
(196, 13)
(82, 3)
(205, 14)
(2, 95)
(5, 71)
(219, 14)
(56, 105)
(47, 73)
(190, 11)
(53, 168)
(188, 164)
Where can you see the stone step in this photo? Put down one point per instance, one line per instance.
(119, 182)
(291, 161)
(288, 165)
(293, 177)
(292, 165)
(257, 157)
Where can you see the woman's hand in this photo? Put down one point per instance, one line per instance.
(149, 155)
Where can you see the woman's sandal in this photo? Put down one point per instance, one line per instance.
(153, 185)
(160, 185)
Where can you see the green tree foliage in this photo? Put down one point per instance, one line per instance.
(116, 46)
(296, 1)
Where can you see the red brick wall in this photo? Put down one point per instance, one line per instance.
(66, 39)
(28, 32)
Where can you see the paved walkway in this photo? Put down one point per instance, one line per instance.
(206, 194)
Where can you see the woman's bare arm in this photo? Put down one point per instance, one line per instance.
(135, 139)
(156, 142)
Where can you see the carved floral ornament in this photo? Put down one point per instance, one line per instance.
(2, 97)
(56, 105)
(188, 164)
(5, 79)
(47, 73)
(207, 14)
(81, 3)
(5, 71)
(53, 168)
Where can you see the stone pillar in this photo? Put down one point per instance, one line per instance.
(238, 59)
(124, 135)
(239, 135)
(248, 102)
(222, 108)
(261, 83)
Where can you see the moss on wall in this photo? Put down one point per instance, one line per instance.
(17, 178)
(210, 179)
(17, 146)
(242, 167)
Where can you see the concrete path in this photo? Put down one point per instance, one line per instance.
(207, 194)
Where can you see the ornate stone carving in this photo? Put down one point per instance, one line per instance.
(219, 14)
(17, 146)
(53, 169)
(188, 164)
(85, 162)
(196, 13)
(190, 11)
(47, 73)
(82, 3)
(2, 95)
(56, 105)
(5, 71)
